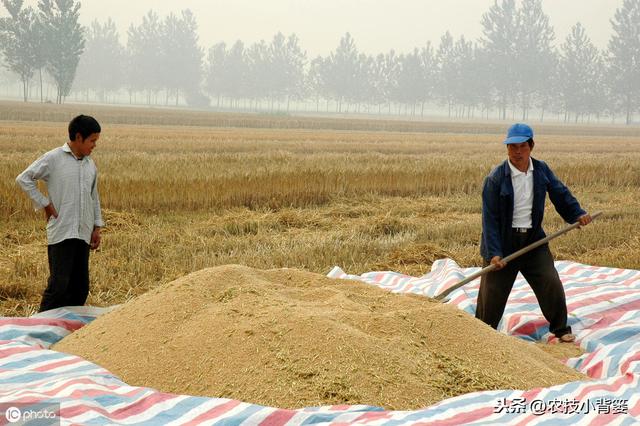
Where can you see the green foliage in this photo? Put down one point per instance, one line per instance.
(624, 57)
(581, 70)
(100, 67)
(19, 40)
(519, 43)
(64, 41)
(164, 54)
(143, 47)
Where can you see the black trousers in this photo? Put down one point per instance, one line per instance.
(538, 269)
(68, 283)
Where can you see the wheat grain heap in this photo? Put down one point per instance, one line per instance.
(289, 339)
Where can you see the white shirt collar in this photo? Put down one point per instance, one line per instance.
(515, 172)
(67, 148)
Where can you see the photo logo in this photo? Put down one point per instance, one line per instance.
(13, 414)
(36, 413)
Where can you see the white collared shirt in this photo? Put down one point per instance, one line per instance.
(72, 185)
(522, 195)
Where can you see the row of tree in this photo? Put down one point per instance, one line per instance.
(49, 38)
(515, 65)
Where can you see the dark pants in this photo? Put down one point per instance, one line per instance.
(538, 269)
(68, 283)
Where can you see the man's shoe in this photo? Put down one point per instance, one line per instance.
(567, 338)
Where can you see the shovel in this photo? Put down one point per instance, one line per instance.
(511, 257)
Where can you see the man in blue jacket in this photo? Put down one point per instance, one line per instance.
(513, 201)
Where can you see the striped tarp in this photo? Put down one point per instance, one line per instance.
(603, 305)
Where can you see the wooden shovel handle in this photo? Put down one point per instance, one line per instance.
(511, 257)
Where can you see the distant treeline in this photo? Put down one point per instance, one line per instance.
(516, 67)
(154, 116)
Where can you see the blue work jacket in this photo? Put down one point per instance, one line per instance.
(497, 207)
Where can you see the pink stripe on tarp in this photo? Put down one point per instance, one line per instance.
(214, 412)
(54, 392)
(595, 371)
(572, 270)
(603, 292)
(580, 301)
(378, 278)
(82, 393)
(62, 362)
(278, 417)
(70, 325)
(610, 316)
(627, 362)
(529, 396)
(130, 410)
(635, 410)
(529, 328)
(463, 297)
(613, 387)
(523, 296)
(532, 393)
(373, 415)
(587, 360)
(459, 419)
(340, 407)
(15, 349)
(523, 421)
(606, 419)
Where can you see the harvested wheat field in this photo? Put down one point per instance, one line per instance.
(290, 339)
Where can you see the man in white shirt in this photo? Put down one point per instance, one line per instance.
(513, 199)
(72, 210)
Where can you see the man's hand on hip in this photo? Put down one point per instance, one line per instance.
(50, 211)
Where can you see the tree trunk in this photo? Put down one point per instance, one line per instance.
(41, 98)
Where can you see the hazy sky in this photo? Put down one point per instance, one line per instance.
(376, 25)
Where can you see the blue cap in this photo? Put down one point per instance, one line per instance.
(519, 133)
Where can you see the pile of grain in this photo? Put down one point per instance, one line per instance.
(289, 339)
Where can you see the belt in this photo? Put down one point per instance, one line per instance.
(521, 230)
